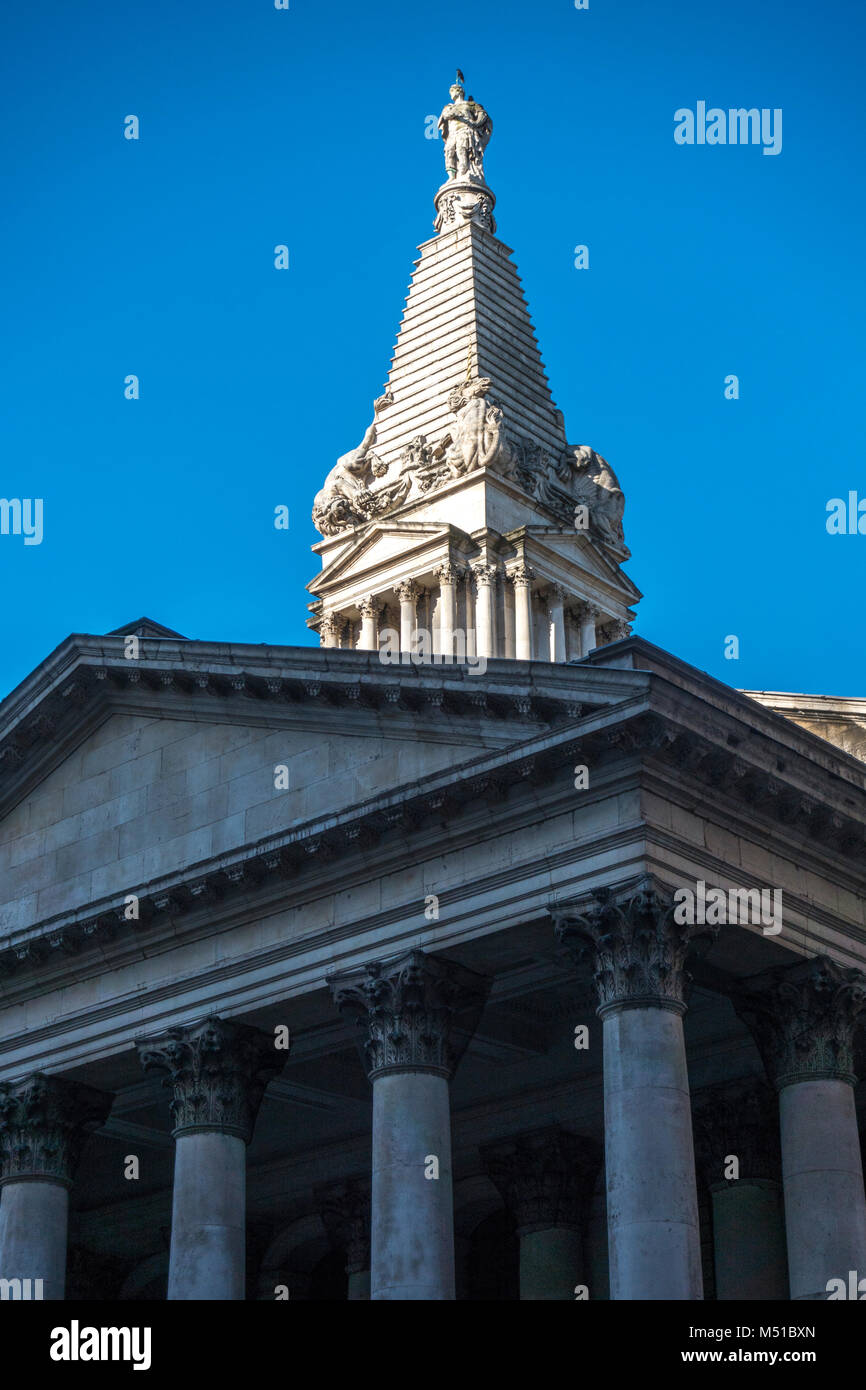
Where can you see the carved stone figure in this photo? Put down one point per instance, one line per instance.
(477, 438)
(347, 498)
(466, 129)
(597, 485)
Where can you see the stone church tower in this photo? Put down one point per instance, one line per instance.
(464, 524)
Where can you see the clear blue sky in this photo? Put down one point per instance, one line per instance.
(306, 127)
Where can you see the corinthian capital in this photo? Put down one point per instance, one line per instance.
(484, 574)
(369, 606)
(408, 591)
(545, 1178)
(637, 949)
(447, 573)
(521, 576)
(218, 1071)
(803, 1018)
(407, 1005)
(44, 1121)
(331, 628)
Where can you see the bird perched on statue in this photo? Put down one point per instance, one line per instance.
(460, 77)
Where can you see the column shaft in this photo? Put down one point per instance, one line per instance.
(412, 1233)
(208, 1235)
(749, 1240)
(407, 593)
(822, 1174)
(522, 617)
(484, 576)
(653, 1234)
(587, 630)
(551, 1263)
(447, 616)
(33, 1225)
(557, 626)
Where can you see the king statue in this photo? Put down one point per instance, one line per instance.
(466, 129)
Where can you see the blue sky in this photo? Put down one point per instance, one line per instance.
(306, 127)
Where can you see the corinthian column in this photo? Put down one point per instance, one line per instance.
(522, 581)
(407, 593)
(803, 1018)
(331, 627)
(218, 1072)
(484, 578)
(545, 1180)
(589, 616)
(556, 597)
(737, 1150)
(44, 1121)
(447, 576)
(639, 953)
(406, 1006)
(369, 612)
(345, 1211)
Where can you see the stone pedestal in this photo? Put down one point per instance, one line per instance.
(218, 1072)
(405, 1006)
(43, 1123)
(803, 1018)
(639, 953)
(464, 199)
(546, 1180)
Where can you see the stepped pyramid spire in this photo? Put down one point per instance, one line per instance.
(463, 521)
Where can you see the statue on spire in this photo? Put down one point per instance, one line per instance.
(466, 129)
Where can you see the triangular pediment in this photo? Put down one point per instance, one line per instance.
(381, 543)
(582, 553)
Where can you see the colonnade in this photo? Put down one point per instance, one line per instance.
(417, 1012)
(573, 626)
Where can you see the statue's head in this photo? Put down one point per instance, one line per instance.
(456, 92)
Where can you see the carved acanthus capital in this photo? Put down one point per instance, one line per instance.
(803, 1018)
(589, 612)
(369, 606)
(447, 573)
(521, 576)
(484, 574)
(331, 629)
(408, 591)
(44, 1121)
(218, 1071)
(545, 1178)
(555, 595)
(737, 1119)
(637, 949)
(407, 1005)
(345, 1211)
